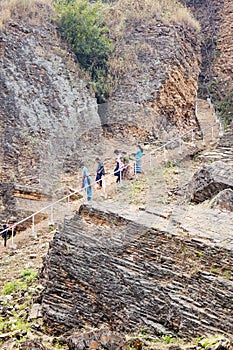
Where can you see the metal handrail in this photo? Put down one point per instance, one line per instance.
(106, 176)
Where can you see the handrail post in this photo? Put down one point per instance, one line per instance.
(164, 153)
(203, 138)
(220, 129)
(33, 234)
(193, 139)
(51, 216)
(104, 187)
(13, 246)
(68, 211)
(162, 148)
(180, 146)
(84, 194)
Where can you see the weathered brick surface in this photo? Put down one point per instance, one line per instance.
(106, 269)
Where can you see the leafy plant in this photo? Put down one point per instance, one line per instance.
(82, 25)
(57, 345)
(227, 274)
(223, 99)
(168, 339)
(143, 332)
(170, 164)
(215, 270)
(21, 324)
(225, 109)
(28, 275)
(209, 342)
(51, 228)
(10, 287)
(137, 188)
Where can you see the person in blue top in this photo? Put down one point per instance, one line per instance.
(86, 181)
(138, 160)
(5, 233)
(99, 172)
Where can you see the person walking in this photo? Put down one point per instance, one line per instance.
(99, 172)
(138, 160)
(119, 169)
(5, 233)
(86, 181)
(127, 169)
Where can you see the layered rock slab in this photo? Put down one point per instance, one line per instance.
(210, 180)
(223, 200)
(103, 268)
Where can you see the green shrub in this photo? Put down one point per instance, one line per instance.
(211, 341)
(82, 25)
(28, 275)
(10, 287)
(225, 109)
(223, 100)
(167, 339)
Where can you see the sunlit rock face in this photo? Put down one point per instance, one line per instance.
(156, 93)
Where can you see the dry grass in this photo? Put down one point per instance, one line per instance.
(149, 11)
(183, 16)
(34, 11)
(124, 16)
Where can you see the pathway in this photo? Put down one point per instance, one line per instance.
(154, 187)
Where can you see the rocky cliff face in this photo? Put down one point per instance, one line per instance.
(216, 76)
(49, 119)
(46, 112)
(157, 91)
(209, 14)
(223, 65)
